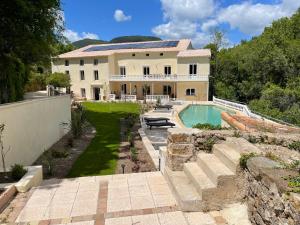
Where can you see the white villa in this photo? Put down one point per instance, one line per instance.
(169, 69)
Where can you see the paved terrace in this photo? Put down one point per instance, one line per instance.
(139, 199)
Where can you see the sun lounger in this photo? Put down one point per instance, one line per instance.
(163, 107)
(147, 119)
(160, 124)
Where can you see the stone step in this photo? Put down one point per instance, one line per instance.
(185, 193)
(241, 145)
(199, 178)
(228, 155)
(216, 170)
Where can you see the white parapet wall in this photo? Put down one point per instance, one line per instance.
(33, 126)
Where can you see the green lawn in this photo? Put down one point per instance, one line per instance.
(100, 157)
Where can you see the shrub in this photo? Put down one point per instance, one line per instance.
(208, 144)
(295, 146)
(294, 165)
(158, 101)
(58, 80)
(134, 154)
(272, 156)
(236, 134)
(17, 172)
(77, 121)
(130, 139)
(245, 157)
(207, 126)
(294, 183)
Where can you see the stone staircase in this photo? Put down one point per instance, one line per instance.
(211, 181)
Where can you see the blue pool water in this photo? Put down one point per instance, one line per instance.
(194, 114)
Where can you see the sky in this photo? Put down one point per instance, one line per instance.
(172, 19)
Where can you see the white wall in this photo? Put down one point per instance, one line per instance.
(33, 126)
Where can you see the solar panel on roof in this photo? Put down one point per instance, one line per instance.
(158, 44)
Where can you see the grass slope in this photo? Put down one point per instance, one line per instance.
(101, 155)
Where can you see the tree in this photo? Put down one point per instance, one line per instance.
(2, 150)
(28, 30)
(36, 82)
(59, 80)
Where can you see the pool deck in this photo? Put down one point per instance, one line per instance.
(126, 199)
(157, 137)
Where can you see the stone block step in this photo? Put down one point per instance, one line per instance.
(199, 178)
(185, 193)
(228, 155)
(216, 170)
(241, 145)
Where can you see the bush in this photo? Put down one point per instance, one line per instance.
(17, 172)
(77, 121)
(295, 146)
(134, 154)
(158, 101)
(272, 156)
(208, 144)
(236, 134)
(245, 157)
(207, 126)
(59, 80)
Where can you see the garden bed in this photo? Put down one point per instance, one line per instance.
(59, 159)
(143, 162)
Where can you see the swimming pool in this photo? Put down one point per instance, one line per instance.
(194, 114)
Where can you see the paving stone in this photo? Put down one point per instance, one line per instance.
(199, 218)
(145, 220)
(171, 218)
(119, 221)
(142, 202)
(120, 204)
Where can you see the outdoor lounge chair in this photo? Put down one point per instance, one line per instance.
(157, 119)
(163, 107)
(160, 124)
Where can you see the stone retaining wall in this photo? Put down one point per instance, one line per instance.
(188, 142)
(267, 200)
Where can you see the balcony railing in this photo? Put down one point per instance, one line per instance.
(158, 77)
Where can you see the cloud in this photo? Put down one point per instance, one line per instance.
(182, 19)
(187, 9)
(208, 25)
(176, 30)
(120, 16)
(75, 36)
(196, 19)
(252, 18)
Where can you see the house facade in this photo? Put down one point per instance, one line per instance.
(140, 70)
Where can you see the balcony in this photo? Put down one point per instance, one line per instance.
(159, 77)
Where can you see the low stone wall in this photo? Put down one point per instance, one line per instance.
(267, 200)
(194, 140)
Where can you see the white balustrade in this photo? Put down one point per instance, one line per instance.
(111, 97)
(153, 98)
(130, 98)
(237, 106)
(155, 77)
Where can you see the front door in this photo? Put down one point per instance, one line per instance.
(97, 93)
